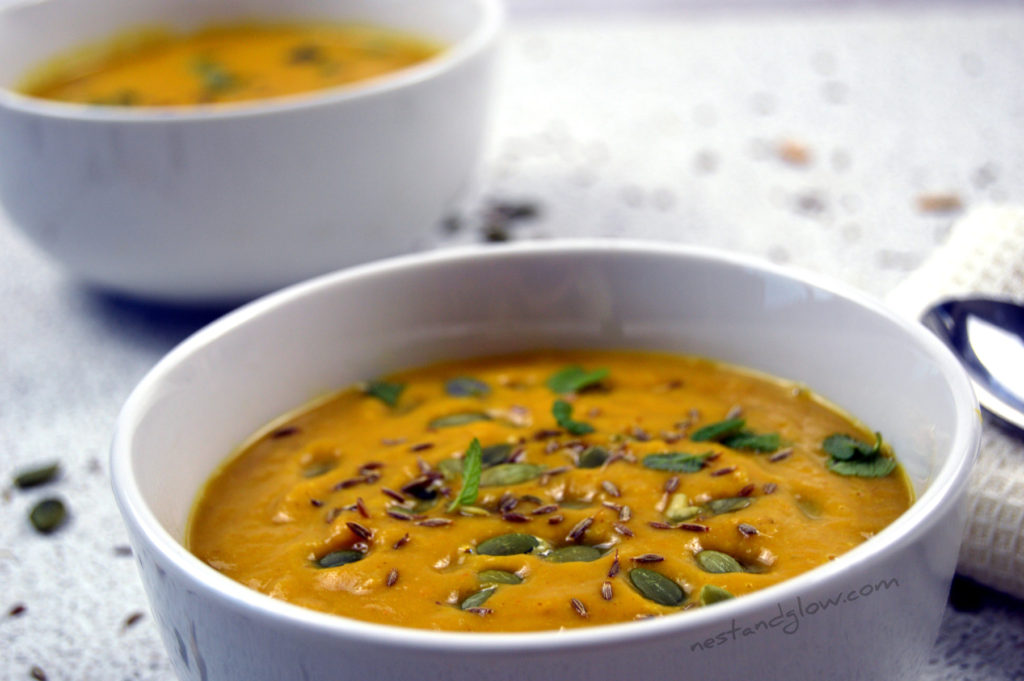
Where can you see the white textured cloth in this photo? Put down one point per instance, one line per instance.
(984, 254)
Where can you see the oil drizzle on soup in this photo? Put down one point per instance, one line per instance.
(544, 491)
(224, 64)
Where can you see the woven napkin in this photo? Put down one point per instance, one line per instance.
(984, 254)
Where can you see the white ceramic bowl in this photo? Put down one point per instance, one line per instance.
(224, 203)
(873, 613)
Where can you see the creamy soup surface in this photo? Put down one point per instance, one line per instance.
(545, 490)
(224, 64)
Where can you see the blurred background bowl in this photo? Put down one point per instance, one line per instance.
(887, 594)
(217, 204)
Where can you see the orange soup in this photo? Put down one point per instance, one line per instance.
(546, 490)
(225, 64)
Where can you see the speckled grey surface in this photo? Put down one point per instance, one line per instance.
(809, 135)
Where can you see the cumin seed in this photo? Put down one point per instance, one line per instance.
(614, 569)
(769, 488)
(37, 673)
(507, 502)
(722, 471)
(658, 525)
(544, 510)
(578, 606)
(672, 484)
(123, 551)
(351, 482)
(361, 507)
(16, 610)
(693, 527)
(392, 577)
(546, 434)
(332, 515)
(648, 558)
(609, 487)
(625, 514)
(286, 431)
(401, 542)
(747, 530)
(555, 519)
(580, 529)
(479, 611)
(434, 522)
(397, 496)
(421, 447)
(398, 515)
(606, 591)
(780, 455)
(131, 620)
(316, 503)
(359, 530)
(612, 505)
(622, 529)
(747, 490)
(515, 518)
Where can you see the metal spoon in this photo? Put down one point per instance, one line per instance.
(988, 336)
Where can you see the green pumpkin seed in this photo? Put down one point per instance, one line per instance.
(656, 587)
(509, 474)
(459, 419)
(423, 505)
(510, 544)
(317, 468)
(477, 599)
(499, 577)
(809, 507)
(451, 469)
(728, 504)
(574, 504)
(495, 454)
(48, 515)
(574, 554)
(466, 386)
(34, 477)
(717, 562)
(336, 558)
(709, 593)
(594, 457)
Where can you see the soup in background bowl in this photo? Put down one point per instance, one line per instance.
(217, 203)
(872, 612)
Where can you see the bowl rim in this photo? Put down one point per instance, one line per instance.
(948, 482)
(482, 35)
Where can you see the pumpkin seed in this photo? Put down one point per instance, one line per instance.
(317, 468)
(575, 504)
(656, 587)
(580, 553)
(499, 577)
(496, 454)
(709, 593)
(466, 386)
(336, 558)
(477, 599)
(458, 419)
(593, 457)
(728, 504)
(809, 507)
(510, 544)
(36, 476)
(48, 515)
(509, 474)
(717, 562)
(450, 468)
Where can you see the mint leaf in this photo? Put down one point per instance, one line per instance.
(386, 392)
(877, 467)
(562, 411)
(850, 456)
(574, 378)
(676, 462)
(716, 432)
(471, 466)
(844, 447)
(765, 442)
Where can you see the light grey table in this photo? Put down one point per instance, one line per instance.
(843, 138)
